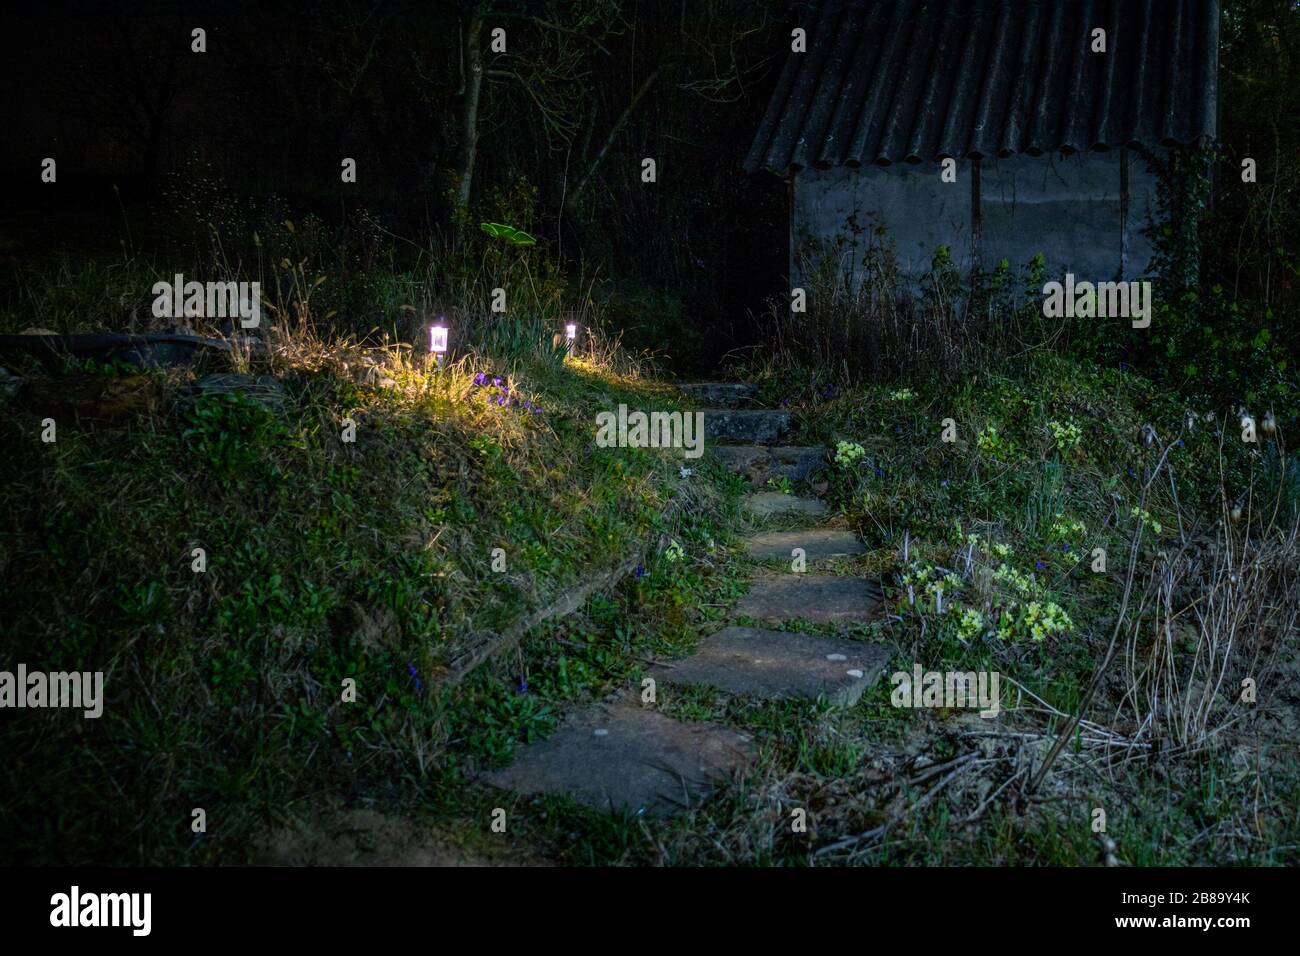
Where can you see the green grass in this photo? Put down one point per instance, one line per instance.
(373, 561)
(325, 560)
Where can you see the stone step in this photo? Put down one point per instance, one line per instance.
(811, 597)
(623, 756)
(761, 426)
(767, 503)
(817, 543)
(749, 660)
(720, 393)
(758, 463)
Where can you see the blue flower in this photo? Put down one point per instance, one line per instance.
(640, 571)
(1038, 565)
(522, 686)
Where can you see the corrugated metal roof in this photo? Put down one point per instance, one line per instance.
(916, 80)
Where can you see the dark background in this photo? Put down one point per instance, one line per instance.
(154, 142)
(286, 90)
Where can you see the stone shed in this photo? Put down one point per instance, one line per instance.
(1050, 123)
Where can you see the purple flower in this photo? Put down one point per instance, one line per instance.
(496, 382)
(1039, 565)
(415, 675)
(640, 571)
(522, 686)
(481, 378)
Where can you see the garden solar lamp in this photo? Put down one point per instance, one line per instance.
(438, 342)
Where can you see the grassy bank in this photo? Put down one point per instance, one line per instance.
(230, 562)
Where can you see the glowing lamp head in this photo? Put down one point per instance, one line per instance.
(571, 331)
(438, 339)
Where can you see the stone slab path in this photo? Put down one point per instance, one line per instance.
(810, 597)
(763, 463)
(749, 660)
(817, 543)
(721, 393)
(749, 425)
(624, 755)
(767, 503)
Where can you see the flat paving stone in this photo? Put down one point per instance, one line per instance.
(765, 503)
(720, 393)
(812, 597)
(622, 756)
(761, 426)
(750, 660)
(817, 543)
(760, 462)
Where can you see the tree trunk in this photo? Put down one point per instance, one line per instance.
(472, 77)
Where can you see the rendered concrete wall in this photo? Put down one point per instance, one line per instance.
(917, 211)
(1066, 207)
